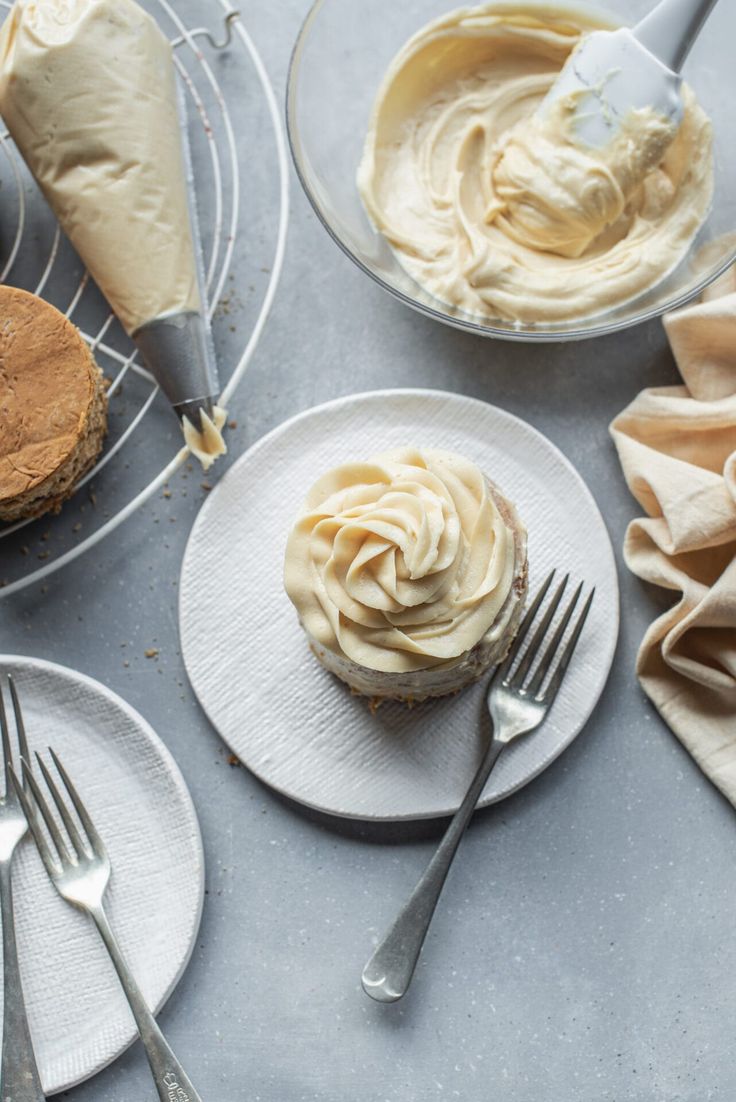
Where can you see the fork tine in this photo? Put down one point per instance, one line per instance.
(552, 647)
(53, 867)
(98, 846)
(19, 724)
(537, 639)
(63, 810)
(6, 741)
(526, 623)
(559, 673)
(56, 835)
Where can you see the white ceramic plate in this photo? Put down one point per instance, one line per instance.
(136, 795)
(297, 727)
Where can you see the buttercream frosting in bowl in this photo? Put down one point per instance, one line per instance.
(502, 217)
(408, 572)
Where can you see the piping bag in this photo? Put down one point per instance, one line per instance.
(88, 92)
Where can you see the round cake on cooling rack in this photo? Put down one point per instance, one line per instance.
(408, 573)
(53, 408)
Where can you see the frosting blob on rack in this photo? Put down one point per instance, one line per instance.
(400, 563)
(499, 217)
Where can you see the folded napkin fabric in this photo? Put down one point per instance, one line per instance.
(677, 447)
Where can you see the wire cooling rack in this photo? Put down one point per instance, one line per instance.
(241, 182)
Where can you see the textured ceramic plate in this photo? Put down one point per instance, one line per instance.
(293, 724)
(79, 1018)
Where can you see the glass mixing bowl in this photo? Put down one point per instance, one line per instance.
(339, 60)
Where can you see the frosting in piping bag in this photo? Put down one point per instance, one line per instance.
(402, 562)
(88, 92)
(502, 216)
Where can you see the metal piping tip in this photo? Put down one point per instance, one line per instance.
(193, 409)
(178, 352)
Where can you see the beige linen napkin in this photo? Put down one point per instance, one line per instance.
(677, 447)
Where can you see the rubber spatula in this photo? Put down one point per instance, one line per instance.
(614, 72)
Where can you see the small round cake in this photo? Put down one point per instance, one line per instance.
(408, 573)
(53, 408)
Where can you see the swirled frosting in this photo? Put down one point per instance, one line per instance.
(557, 195)
(400, 563)
(503, 217)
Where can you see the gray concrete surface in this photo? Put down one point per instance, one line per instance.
(584, 949)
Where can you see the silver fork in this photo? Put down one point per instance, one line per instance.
(19, 1078)
(517, 704)
(79, 868)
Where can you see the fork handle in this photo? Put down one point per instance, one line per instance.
(387, 975)
(19, 1078)
(172, 1083)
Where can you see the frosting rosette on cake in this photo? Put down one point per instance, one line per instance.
(402, 563)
